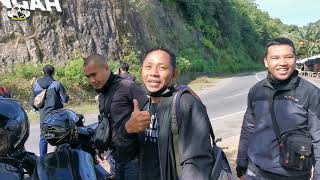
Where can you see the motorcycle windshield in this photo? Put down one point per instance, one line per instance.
(66, 165)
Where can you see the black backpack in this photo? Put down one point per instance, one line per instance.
(221, 169)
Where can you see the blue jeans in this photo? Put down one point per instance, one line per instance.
(43, 146)
(127, 171)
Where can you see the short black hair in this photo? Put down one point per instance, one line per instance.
(171, 54)
(279, 41)
(95, 58)
(48, 70)
(125, 66)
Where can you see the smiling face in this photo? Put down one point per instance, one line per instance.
(280, 61)
(157, 71)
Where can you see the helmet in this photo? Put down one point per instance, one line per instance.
(4, 92)
(59, 126)
(14, 126)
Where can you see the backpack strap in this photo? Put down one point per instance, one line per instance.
(275, 125)
(175, 127)
(108, 97)
(45, 89)
(175, 133)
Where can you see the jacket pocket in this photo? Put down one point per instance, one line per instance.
(290, 115)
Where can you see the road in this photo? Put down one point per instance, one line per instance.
(225, 104)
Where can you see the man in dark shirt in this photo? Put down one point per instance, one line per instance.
(121, 107)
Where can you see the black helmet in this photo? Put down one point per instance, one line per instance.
(14, 126)
(59, 126)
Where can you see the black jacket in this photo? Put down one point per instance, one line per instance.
(296, 106)
(128, 76)
(194, 140)
(121, 108)
(55, 95)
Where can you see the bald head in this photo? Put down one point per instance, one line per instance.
(95, 59)
(96, 70)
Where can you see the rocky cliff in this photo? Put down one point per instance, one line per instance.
(82, 27)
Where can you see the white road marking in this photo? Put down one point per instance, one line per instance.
(258, 77)
(228, 115)
(236, 95)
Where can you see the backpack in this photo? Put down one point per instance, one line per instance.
(221, 169)
(40, 98)
(103, 133)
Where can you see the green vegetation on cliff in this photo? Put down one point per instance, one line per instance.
(210, 36)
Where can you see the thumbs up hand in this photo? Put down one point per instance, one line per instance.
(136, 107)
(138, 121)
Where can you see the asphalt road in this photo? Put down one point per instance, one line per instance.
(226, 104)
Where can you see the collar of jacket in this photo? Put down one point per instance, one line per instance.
(166, 93)
(288, 84)
(109, 83)
(45, 82)
(46, 78)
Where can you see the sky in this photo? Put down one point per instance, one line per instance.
(292, 12)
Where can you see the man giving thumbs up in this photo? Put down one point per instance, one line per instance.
(152, 126)
(139, 120)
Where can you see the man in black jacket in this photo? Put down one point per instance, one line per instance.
(121, 107)
(55, 97)
(285, 98)
(152, 126)
(124, 72)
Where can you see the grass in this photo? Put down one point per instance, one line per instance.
(85, 108)
(203, 82)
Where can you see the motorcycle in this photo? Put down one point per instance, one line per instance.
(75, 156)
(20, 165)
(15, 162)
